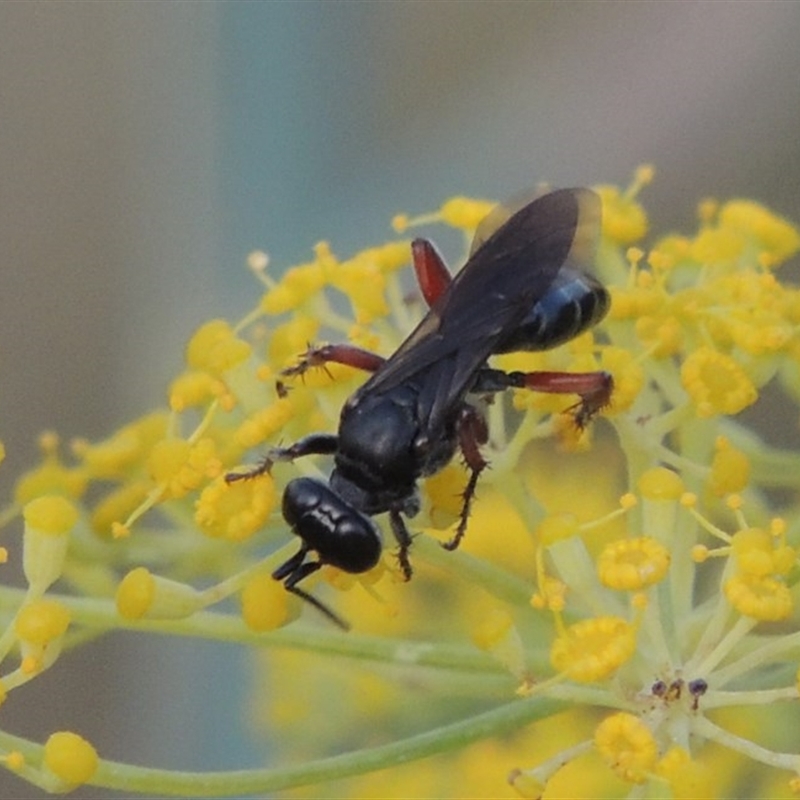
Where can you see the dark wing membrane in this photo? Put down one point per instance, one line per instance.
(502, 279)
(501, 213)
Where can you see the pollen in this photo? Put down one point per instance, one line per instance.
(263, 424)
(235, 511)
(687, 778)
(50, 477)
(215, 348)
(716, 383)
(143, 595)
(715, 246)
(627, 745)
(291, 338)
(775, 235)
(662, 336)
(527, 785)
(114, 458)
(629, 377)
(593, 649)
(730, 469)
(70, 758)
(297, 285)
(633, 564)
(464, 212)
(756, 554)
(624, 220)
(48, 520)
(181, 466)
(762, 598)
(364, 283)
(192, 389)
(51, 515)
(390, 256)
(660, 483)
(265, 603)
(15, 761)
(400, 223)
(136, 593)
(41, 621)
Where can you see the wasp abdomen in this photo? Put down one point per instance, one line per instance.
(574, 303)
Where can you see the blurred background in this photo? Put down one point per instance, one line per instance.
(146, 148)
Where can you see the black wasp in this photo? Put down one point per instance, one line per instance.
(523, 288)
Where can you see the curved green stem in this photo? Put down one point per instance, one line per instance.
(129, 778)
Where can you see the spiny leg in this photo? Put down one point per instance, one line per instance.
(320, 444)
(472, 433)
(403, 537)
(433, 278)
(593, 388)
(346, 354)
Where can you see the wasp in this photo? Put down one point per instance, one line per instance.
(524, 287)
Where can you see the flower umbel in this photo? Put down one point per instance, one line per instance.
(619, 620)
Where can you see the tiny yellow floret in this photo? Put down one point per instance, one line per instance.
(632, 564)
(180, 466)
(757, 553)
(235, 511)
(141, 594)
(660, 483)
(136, 593)
(624, 220)
(779, 238)
(70, 758)
(15, 761)
(627, 745)
(593, 649)
(51, 514)
(47, 521)
(730, 469)
(41, 621)
(526, 785)
(265, 603)
(762, 598)
(464, 212)
(215, 348)
(687, 778)
(716, 383)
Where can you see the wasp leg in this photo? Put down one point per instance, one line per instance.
(294, 570)
(593, 388)
(433, 276)
(347, 354)
(403, 537)
(472, 433)
(319, 444)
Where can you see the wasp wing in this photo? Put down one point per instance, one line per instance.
(489, 297)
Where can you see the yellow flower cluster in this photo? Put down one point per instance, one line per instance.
(621, 617)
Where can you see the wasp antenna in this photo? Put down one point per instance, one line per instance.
(320, 606)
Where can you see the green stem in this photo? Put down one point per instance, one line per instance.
(102, 615)
(127, 778)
